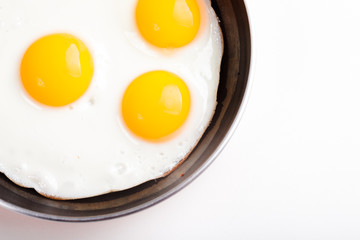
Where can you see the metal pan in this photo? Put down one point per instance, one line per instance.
(231, 96)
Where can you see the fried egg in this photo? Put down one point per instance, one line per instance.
(101, 96)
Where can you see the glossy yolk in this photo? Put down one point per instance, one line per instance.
(155, 105)
(56, 70)
(168, 23)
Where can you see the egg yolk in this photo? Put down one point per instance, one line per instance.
(155, 105)
(57, 69)
(168, 23)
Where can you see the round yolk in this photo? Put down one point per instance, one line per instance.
(57, 69)
(155, 105)
(168, 23)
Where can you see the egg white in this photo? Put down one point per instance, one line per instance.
(84, 149)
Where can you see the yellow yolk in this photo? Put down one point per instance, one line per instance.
(155, 105)
(168, 23)
(57, 69)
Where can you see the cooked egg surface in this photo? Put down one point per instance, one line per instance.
(165, 23)
(56, 70)
(155, 105)
(82, 144)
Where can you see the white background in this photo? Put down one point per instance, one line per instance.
(292, 169)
